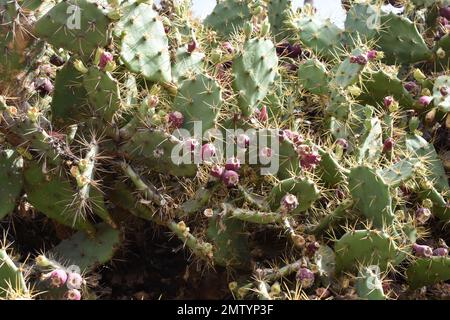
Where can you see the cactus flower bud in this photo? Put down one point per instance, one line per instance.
(265, 27)
(423, 215)
(42, 261)
(216, 171)
(262, 114)
(233, 164)
(191, 144)
(208, 151)
(425, 100)
(388, 101)
(411, 87)
(375, 55)
(312, 248)
(104, 59)
(388, 144)
(440, 252)
(73, 294)
(288, 203)
(175, 119)
(230, 178)
(58, 278)
(422, 250)
(360, 59)
(306, 277)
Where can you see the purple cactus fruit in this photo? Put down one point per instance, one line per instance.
(440, 252)
(263, 116)
(74, 280)
(230, 178)
(58, 278)
(265, 153)
(442, 21)
(445, 12)
(388, 101)
(411, 87)
(444, 91)
(228, 47)
(208, 151)
(388, 144)
(216, 171)
(243, 140)
(425, 100)
(288, 203)
(44, 86)
(372, 55)
(73, 294)
(312, 248)
(192, 46)
(294, 51)
(360, 59)
(283, 48)
(233, 164)
(343, 143)
(306, 277)
(191, 144)
(422, 250)
(104, 59)
(56, 60)
(309, 157)
(423, 215)
(175, 119)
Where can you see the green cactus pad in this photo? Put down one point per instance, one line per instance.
(199, 100)
(428, 271)
(11, 181)
(88, 253)
(103, 92)
(361, 21)
(368, 285)
(154, 149)
(10, 276)
(69, 103)
(348, 73)
(420, 148)
(187, 64)
(289, 164)
(442, 101)
(79, 26)
(305, 190)
(371, 142)
(313, 77)
(278, 12)
(53, 196)
(230, 242)
(400, 172)
(228, 17)
(254, 72)
(365, 247)
(400, 40)
(371, 196)
(144, 46)
(330, 171)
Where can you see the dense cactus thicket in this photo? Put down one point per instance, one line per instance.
(97, 99)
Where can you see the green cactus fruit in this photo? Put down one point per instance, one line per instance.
(11, 177)
(278, 12)
(313, 77)
(11, 276)
(144, 46)
(304, 189)
(441, 93)
(88, 253)
(53, 196)
(321, 36)
(187, 64)
(154, 149)
(420, 148)
(228, 17)
(371, 142)
(79, 26)
(199, 100)
(371, 196)
(369, 285)
(428, 271)
(69, 99)
(400, 40)
(381, 84)
(365, 247)
(348, 73)
(103, 92)
(230, 242)
(254, 72)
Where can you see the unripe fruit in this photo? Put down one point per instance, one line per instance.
(342, 143)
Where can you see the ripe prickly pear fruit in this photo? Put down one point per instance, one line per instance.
(230, 178)
(422, 250)
(73, 294)
(445, 12)
(309, 157)
(388, 101)
(423, 215)
(360, 59)
(440, 252)
(58, 278)
(411, 87)
(44, 86)
(374, 55)
(288, 203)
(388, 144)
(306, 277)
(208, 151)
(312, 248)
(243, 140)
(233, 164)
(216, 171)
(192, 46)
(105, 58)
(175, 119)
